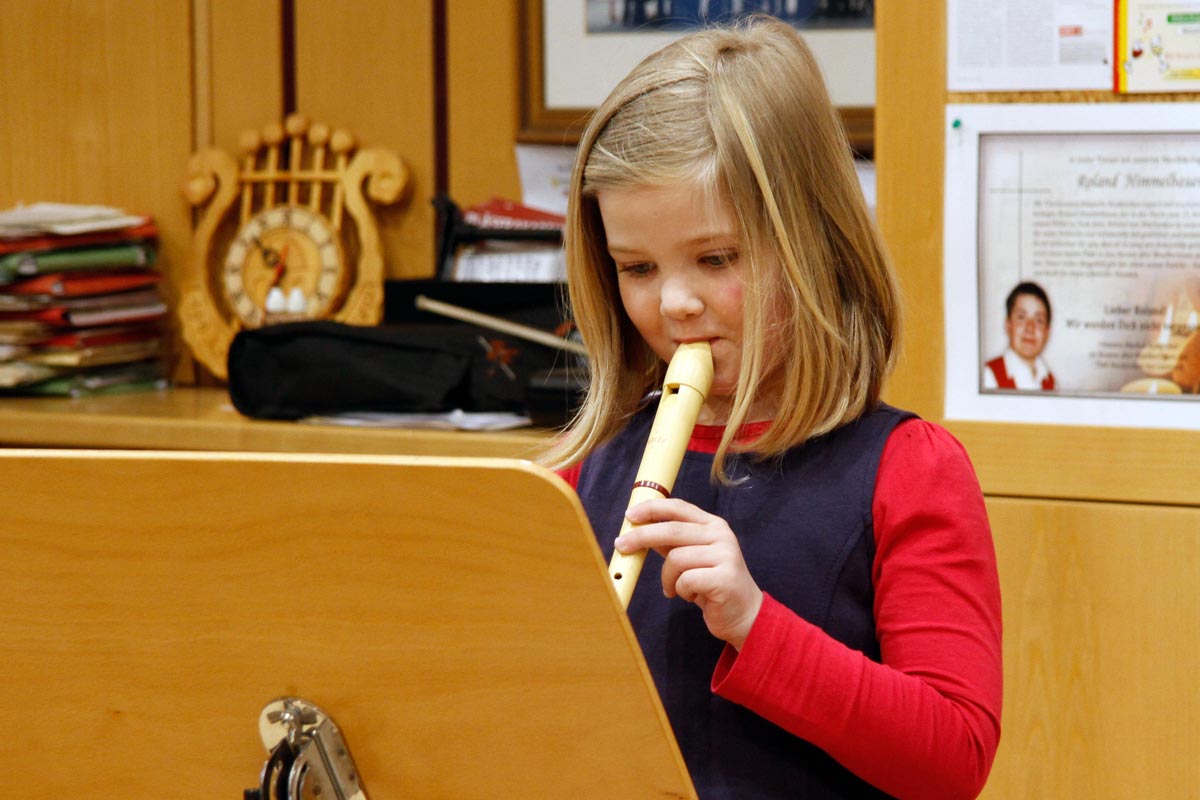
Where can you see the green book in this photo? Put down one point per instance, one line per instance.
(26, 264)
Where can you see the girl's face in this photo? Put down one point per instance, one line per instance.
(676, 251)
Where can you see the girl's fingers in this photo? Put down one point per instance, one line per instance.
(662, 536)
(680, 561)
(702, 563)
(696, 583)
(665, 509)
(662, 524)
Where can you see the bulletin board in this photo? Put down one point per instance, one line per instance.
(1073, 457)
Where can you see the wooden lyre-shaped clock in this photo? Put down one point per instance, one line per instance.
(287, 233)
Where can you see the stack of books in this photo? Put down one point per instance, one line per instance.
(500, 241)
(80, 308)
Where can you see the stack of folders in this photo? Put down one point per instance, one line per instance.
(80, 308)
(510, 243)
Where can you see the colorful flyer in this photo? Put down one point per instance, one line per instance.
(1157, 46)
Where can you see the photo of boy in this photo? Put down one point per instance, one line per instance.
(1027, 322)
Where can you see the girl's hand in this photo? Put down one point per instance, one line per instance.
(703, 563)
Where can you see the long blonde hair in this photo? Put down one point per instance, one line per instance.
(744, 110)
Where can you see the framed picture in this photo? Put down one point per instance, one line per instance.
(1071, 285)
(569, 62)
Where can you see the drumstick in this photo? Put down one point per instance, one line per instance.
(497, 323)
(688, 379)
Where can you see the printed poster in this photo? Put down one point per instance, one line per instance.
(1072, 264)
(1030, 45)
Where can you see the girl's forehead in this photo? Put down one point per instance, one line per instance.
(660, 210)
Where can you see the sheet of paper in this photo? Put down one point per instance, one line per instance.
(1099, 205)
(449, 420)
(866, 179)
(63, 219)
(500, 261)
(545, 171)
(1029, 45)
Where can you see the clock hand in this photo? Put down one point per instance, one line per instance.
(281, 265)
(270, 257)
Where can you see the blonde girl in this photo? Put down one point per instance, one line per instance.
(825, 617)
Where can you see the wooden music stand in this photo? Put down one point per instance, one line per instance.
(453, 616)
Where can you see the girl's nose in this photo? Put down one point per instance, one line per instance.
(679, 300)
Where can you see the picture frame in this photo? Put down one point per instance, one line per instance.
(1085, 202)
(547, 116)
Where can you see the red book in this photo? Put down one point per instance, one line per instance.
(78, 284)
(500, 213)
(96, 337)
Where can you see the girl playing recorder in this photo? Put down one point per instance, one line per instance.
(831, 619)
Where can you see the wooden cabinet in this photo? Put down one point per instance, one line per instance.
(1101, 640)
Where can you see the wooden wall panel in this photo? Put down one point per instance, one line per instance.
(1101, 642)
(482, 55)
(1084, 463)
(367, 65)
(97, 108)
(909, 156)
(243, 86)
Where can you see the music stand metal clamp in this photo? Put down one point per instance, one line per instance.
(309, 758)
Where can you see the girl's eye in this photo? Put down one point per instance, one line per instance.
(721, 259)
(638, 269)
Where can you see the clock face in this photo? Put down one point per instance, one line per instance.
(284, 264)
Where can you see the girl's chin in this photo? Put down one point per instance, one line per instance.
(720, 395)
